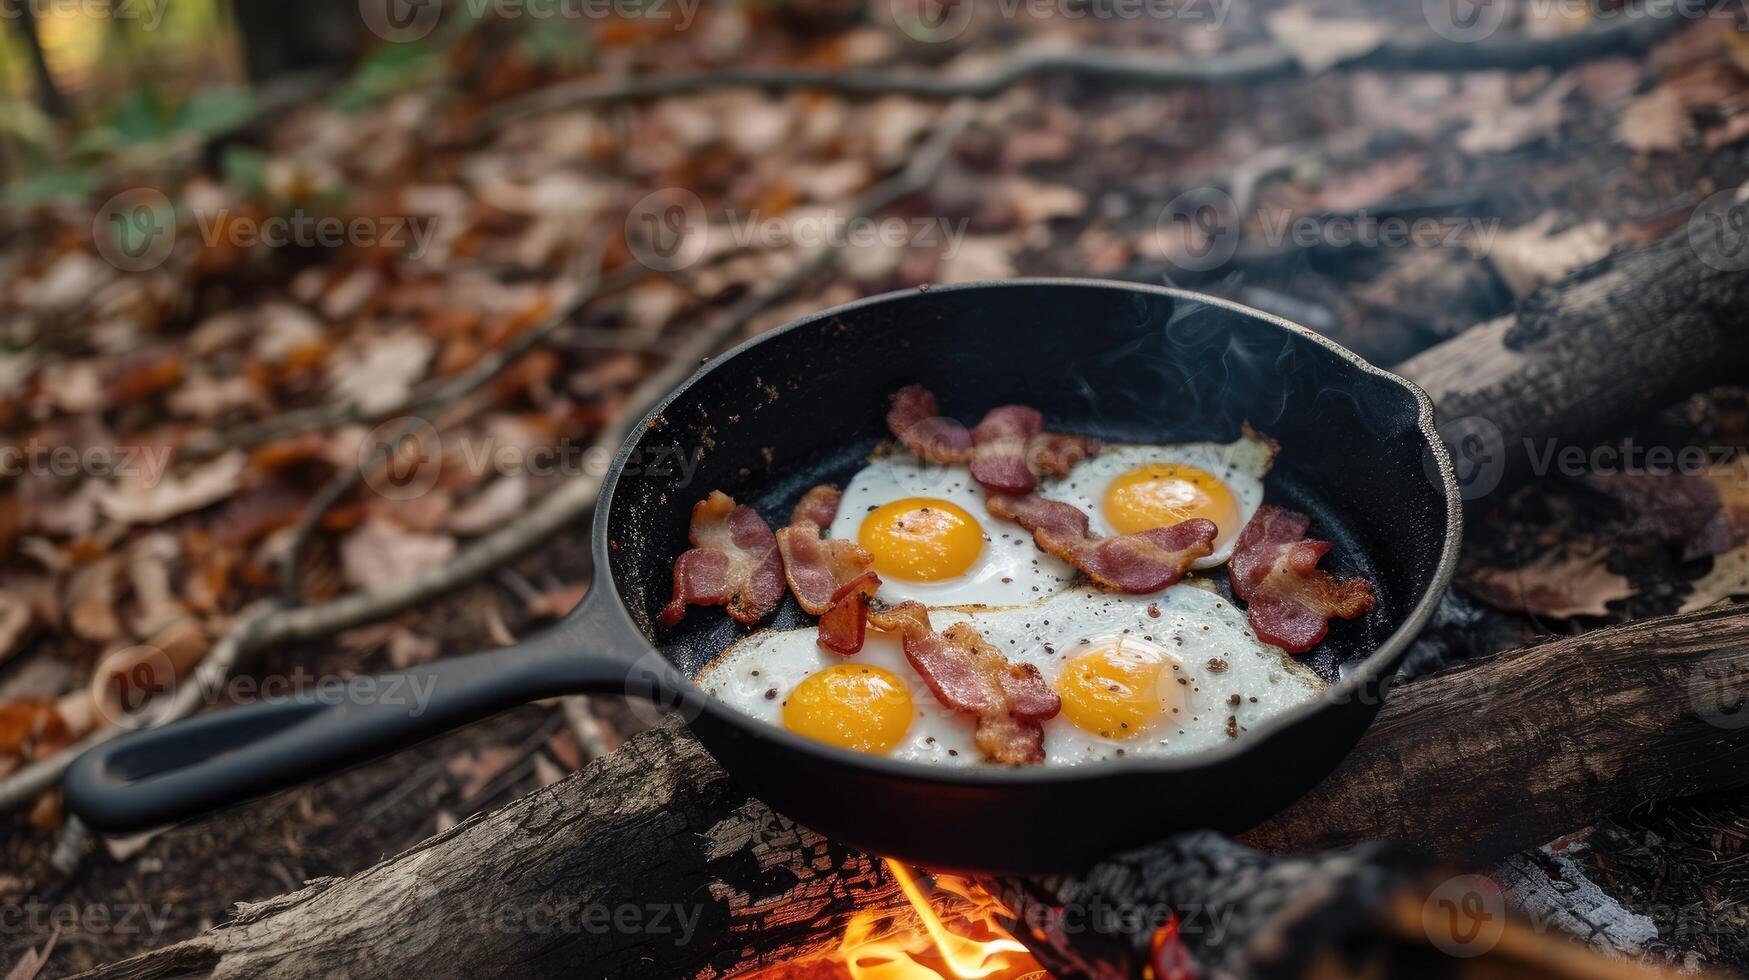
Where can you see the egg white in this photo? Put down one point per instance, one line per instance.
(1193, 624)
(1010, 569)
(1240, 465)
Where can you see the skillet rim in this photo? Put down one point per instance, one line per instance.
(1350, 687)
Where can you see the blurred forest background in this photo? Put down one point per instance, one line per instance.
(197, 412)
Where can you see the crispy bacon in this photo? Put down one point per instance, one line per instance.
(1055, 453)
(819, 505)
(1288, 599)
(969, 675)
(1007, 450)
(915, 420)
(1139, 563)
(842, 626)
(830, 578)
(734, 562)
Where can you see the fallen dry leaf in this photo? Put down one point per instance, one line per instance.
(1655, 122)
(977, 259)
(1508, 127)
(409, 649)
(1553, 586)
(1531, 256)
(502, 499)
(378, 552)
(16, 619)
(1371, 184)
(90, 600)
(1320, 43)
(559, 601)
(380, 375)
(1706, 512)
(31, 963)
(478, 767)
(1728, 577)
(142, 501)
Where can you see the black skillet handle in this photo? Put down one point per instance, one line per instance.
(149, 778)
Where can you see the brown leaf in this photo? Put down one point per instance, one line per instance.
(141, 499)
(559, 601)
(1371, 184)
(502, 499)
(1707, 513)
(1320, 43)
(1728, 577)
(379, 552)
(31, 963)
(479, 767)
(1508, 127)
(90, 600)
(1531, 256)
(1553, 586)
(1655, 122)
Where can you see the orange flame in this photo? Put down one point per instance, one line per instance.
(935, 952)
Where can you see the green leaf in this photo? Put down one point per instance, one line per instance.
(215, 111)
(139, 117)
(390, 69)
(245, 168)
(62, 185)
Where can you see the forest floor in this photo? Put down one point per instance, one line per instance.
(230, 380)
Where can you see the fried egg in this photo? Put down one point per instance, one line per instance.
(1139, 676)
(933, 540)
(1130, 488)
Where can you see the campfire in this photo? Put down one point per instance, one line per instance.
(950, 930)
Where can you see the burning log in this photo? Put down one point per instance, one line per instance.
(1613, 342)
(652, 863)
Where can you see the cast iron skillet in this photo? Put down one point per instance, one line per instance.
(805, 404)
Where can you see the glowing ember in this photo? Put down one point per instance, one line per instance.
(968, 943)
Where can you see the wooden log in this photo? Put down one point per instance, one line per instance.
(570, 881)
(1613, 342)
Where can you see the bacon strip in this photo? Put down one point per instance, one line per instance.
(969, 675)
(1007, 450)
(734, 562)
(830, 578)
(1288, 599)
(1139, 563)
(819, 505)
(915, 420)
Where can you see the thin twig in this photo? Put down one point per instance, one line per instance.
(1628, 32)
(268, 623)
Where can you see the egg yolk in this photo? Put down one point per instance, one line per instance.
(1117, 687)
(853, 706)
(921, 539)
(1164, 494)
